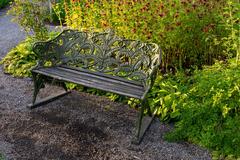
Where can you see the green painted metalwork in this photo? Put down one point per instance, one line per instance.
(101, 52)
(99, 60)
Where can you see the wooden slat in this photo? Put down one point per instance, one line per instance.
(96, 80)
(105, 85)
(103, 75)
(95, 76)
(101, 83)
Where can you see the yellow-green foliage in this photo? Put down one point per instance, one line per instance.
(206, 105)
(188, 31)
(230, 20)
(20, 59)
(31, 15)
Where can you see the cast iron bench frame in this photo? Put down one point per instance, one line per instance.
(98, 60)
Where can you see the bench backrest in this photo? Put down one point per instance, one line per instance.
(101, 52)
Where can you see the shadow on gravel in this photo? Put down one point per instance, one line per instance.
(69, 130)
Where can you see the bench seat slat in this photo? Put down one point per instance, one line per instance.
(103, 75)
(94, 81)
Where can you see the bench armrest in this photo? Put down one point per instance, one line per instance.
(156, 62)
(47, 53)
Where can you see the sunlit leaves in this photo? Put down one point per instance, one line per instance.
(209, 111)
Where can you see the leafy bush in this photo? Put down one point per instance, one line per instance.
(166, 96)
(230, 20)
(58, 14)
(20, 59)
(188, 31)
(31, 15)
(1, 157)
(207, 106)
(4, 3)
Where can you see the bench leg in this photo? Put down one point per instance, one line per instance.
(47, 100)
(38, 84)
(63, 85)
(143, 123)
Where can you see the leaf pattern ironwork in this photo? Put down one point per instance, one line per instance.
(102, 52)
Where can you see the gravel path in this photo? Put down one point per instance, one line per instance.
(76, 127)
(10, 33)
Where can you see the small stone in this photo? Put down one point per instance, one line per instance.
(1, 87)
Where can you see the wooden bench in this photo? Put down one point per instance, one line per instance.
(98, 60)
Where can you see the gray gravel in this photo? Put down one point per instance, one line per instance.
(10, 33)
(78, 126)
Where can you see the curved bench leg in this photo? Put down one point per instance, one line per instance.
(63, 85)
(38, 84)
(143, 123)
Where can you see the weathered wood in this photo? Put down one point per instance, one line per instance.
(120, 79)
(101, 83)
(104, 77)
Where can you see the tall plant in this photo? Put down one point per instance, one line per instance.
(230, 20)
(31, 15)
(184, 28)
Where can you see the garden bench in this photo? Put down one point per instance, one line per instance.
(98, 60)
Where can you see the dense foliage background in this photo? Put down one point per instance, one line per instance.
(207, 106)
(189, 31)
(198, 86)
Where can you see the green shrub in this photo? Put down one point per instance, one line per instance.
(20, 59)
(188, 31)
(58, 14)
(207, 106)
(1, 157)
(230, 20)
(31, 15)
(4, 3)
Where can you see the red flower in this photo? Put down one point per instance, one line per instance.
(176, 15)
(161, 6)
(178, 24)
(184, 2)
(162, 14)
(194, 6)
(188, 10)
(73, 1)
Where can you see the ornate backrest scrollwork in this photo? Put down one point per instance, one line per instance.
(101, 52)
